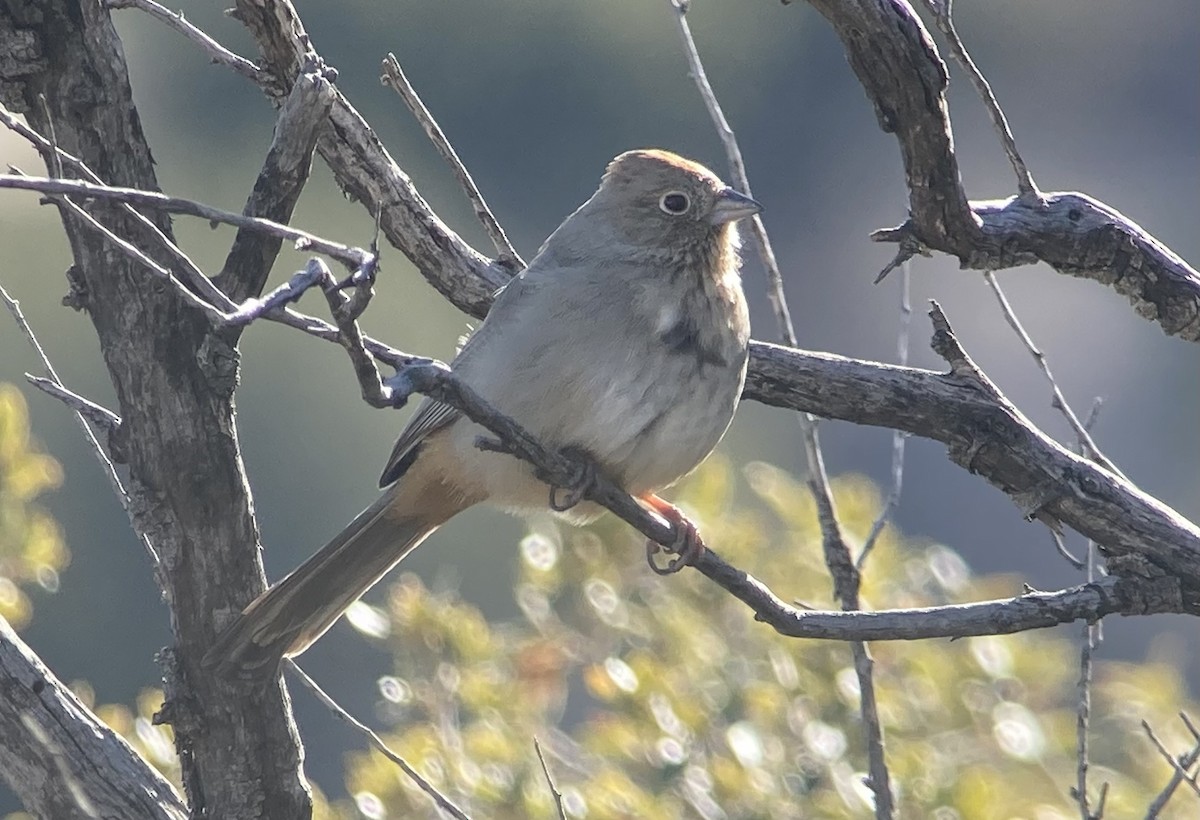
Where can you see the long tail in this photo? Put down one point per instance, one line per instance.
(287, 618)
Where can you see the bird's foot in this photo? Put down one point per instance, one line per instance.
(564, 497)
(687, 545)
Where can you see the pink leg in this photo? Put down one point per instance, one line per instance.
(688, 545)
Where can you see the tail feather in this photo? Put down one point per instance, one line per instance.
(286, 619)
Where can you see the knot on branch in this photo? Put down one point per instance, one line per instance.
(1147, 596)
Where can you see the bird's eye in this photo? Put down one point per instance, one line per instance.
(675, 203)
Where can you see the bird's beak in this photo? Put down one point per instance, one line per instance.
(732, 206)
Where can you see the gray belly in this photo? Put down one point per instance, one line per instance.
(692, 405)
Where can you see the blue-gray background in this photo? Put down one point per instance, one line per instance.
(1104, 97)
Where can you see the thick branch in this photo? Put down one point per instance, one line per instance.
(60, 759)
(988, 436)
(174, 383)
(905, 79)
(277, 189)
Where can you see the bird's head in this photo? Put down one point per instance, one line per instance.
(655, 198)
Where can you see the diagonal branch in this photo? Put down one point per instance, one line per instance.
(395, 78)
(62, 760)
(944, 13)
(277, 189)
(985, 434)
(440, 800)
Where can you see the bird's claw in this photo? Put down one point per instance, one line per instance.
(563, 498)
(686, 547)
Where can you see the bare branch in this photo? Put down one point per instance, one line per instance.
(216, 52)
(70, 207)
(1082, 720)
(54, 156)
(62, 760)
(264, 307)
(440, 800)
(1186, 762)
(987, 435)
(554, 792)
(1033, 610)
(394, 78)
(1072, 232)
(55, 386)
(102, 417)
(737, 166)
(304, 113)
(898, 437)
(368, 175)
(349, 256)
(944, 13)
(1177, 765)
(1059, 401)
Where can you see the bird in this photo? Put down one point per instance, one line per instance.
(625, 339)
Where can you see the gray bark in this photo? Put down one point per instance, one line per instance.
(174, 382)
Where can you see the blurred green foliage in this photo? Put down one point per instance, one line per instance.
(663, 698)
(32, 551)
(659, 698)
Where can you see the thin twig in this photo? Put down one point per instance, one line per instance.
(138, 255)
(1082, 718)
(1186, 761)
(215, 51)
(196, 278)
(1059, 401)
(1093, 415)
(349, 256)
(1160, 801)
(394, 78)
(846, 578)
(269, 306)
(440, 800)
(943, 11)
(1191, 727)
(53, 153)
(737, 167)
(558, 798)
(106, 465)
(1181, 771)
(899, 437)
(102, 417)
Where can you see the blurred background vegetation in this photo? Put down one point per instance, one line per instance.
(1103, 96)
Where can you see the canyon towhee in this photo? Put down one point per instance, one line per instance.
(625, 338)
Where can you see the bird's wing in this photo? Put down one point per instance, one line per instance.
(433, 415)
(430, 416)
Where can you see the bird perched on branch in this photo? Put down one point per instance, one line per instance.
(626, 339)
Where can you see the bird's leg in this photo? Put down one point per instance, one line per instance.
(687, 546)
(563, 498)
